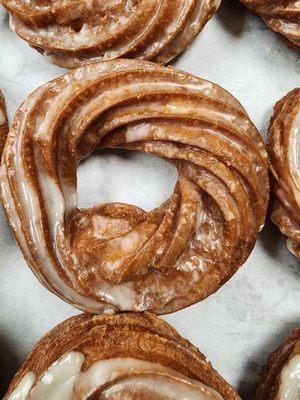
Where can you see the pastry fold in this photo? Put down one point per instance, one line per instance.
(117, 255)
(279, 379)
(3, 123)
(73, 33)
(125, 356)
(281, 16)
(284, 149)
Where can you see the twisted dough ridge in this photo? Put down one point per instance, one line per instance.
(75, 32)
(132, 356)
(284, 149)
(274, 382)
(3, 123)
(281, 16)
(117, 254)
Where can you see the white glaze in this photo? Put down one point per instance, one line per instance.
(11, 210)
(151, 376)
(295, 148)
(59, 380)
(288, 27)
(64, 380)
(163, 386)
(290, 380)
(11, 23)
(31, 209)
(23, 388)
(54, 202)
(121, 296)
(217, 3)
(2, 118)
(138, 132)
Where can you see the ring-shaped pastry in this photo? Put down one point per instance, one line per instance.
(117, 255)
(73, 33)
(125, 356)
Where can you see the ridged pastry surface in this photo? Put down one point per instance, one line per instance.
(117, 255)
(127, 356)
(3, 123)
(76, 32)
(281, 16)
(280, 377)
(284, 151)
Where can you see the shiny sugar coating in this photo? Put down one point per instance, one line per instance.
(125, 356)
(72, 33)
(117, 256)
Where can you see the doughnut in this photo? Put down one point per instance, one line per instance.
(281, 16)
(280, 379)
(117, 256)
(125, 356)
(72, 33)
(284, 148)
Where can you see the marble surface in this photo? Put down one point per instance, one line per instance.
(239, 325)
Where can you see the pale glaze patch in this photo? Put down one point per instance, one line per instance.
(290, 380)
(22, 390)
(295, 149)
(59, 380)
(2, 118)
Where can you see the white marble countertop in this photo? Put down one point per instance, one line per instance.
(239, 325)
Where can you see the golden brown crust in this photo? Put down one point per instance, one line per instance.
(138, 336)
(3, 123)
(118, 255)
(73, 33)
(283, 148)
(268, 382)
(281, 16)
